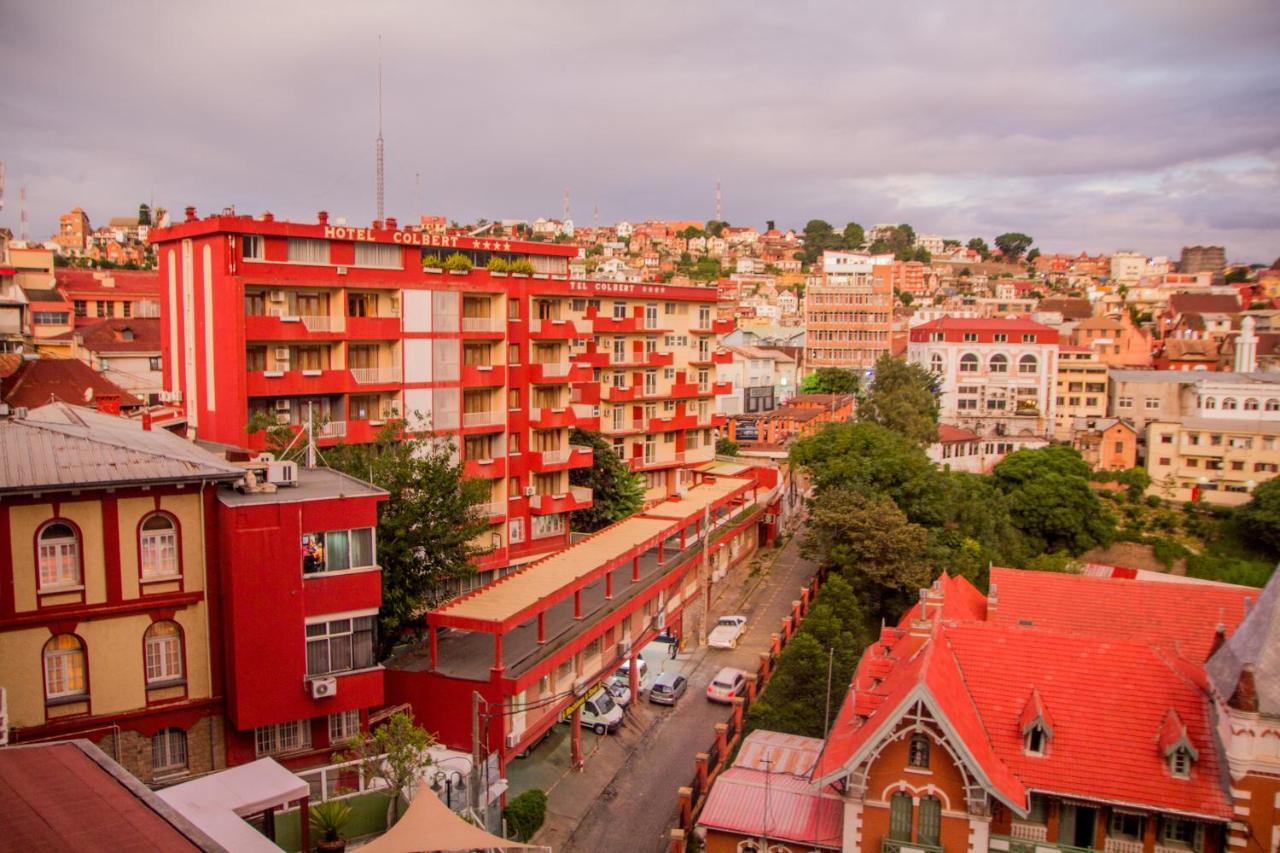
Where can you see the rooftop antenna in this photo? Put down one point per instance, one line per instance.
(718, 211)
(595, 216)
(379, 143)
(1, 185)
(22, 204)
(417, 190)
(566, 204)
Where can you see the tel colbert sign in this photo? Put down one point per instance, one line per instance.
(416, 238)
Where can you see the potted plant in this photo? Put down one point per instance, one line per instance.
(328, 820)
(432, 263)
(458, 264)
(522, 267)
(498, 266)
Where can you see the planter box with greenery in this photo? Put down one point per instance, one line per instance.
(328, 821)
(458, 263)
(524, 814)
(498, 266)
(432, 263)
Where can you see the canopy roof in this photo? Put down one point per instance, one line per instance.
(218, 803)
(428, 825)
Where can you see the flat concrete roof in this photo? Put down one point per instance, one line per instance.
(697, 499)
(314, 484)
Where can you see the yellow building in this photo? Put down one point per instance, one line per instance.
(1081, 389)
(104, 620)
(1219, 460)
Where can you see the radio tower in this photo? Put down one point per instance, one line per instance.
(1, 185)
(718, 212)
(566, 204)
(22, 203)
(379, 143)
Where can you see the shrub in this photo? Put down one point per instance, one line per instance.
(522, 266)
(432, 261)
(1167, 551)
(524, 814)
(497, 264)
(330, 818)
(1154, 501)
(457, 261)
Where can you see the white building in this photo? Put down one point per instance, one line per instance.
(934, 244)
(997, 375)
(763, 380)
(1128, 267)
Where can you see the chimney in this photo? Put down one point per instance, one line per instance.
(146, 421)
(992, 601)
(377, 225)
(392, 223)
(1245, 697)
(108, 404)
(268, 216)
(1219, 637)
(323, 216)
(191, 214)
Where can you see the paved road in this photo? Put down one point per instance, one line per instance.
(637, 807)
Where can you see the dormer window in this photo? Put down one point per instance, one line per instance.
(1180, 763)
(1037, 739)
(918, 755)
(1175, 746)
(1036, 725)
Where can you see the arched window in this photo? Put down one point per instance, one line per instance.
(1211, 402)
(930, 829)
(64, 670)
(968, 363)
(900, 816)
(999, 363)
(163, 646)
(159, 546)
(748, 847)
(935, 362)
(169, 751)
(1028, 364)
(919, 751)
(1229, 403)
(1272, 405)
(59, 556)
(1251, 405)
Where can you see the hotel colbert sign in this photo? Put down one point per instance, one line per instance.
(416, 238)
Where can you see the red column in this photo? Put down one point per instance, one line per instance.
(577, 604)
(686, 805)
(722, 743)
(700, 761)
(633, 676)
(678, 844)
(575, 740)
(737, 715)
(542, 627)
(608, 585)
(431, 642)
(682, 545)
(751, 687)
(635, 569)
(660, 544)
(497, 652)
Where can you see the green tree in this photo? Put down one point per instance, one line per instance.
(868, 539)
(397, 752)
(1237, 275)
(1032, 255)
(903, 398)
(905, 297)
(525, 814)
(616, 491)
(818, 237)
(830, 380)
(144, 214)
(1051, 502)
(980, 246)
(1013, 244)
(726, 447)
(716, 227)
(426, 529)
(1260, 517)
(854, 236)
(788, 705)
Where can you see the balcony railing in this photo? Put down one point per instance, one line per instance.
(554, 370)
(321, 323)
(482, 324)
(334, 429)
(483, 419)
(493, 509)
(375, 375)
(554, 457)
(890, 845)
(1122, 845)
(1029, 831)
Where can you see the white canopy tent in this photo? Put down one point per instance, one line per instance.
(219, 803)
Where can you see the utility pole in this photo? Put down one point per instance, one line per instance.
(474, 784)
(379, 142)
(826, 718)
(22, 205)
(704, 569)
(767, 761)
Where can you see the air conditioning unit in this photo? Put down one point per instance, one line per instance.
(530, 491)
(512, 739)
(282, 418)
(283, 473)
(282, 353)
(624, 648)
(276, 296)
(580, 686)
(323, 688)
(342, 270)
(282, 405)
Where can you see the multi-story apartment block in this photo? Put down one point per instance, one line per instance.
(998, 375)
(348, 329)
(903, 276)
(762, 378)
(73, 232)
(1081, 390)
(848, 312)
(100, 295)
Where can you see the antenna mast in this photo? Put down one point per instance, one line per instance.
(566, 204)
(719, 217)
(379, 144)
(1, 185)
(22, 203)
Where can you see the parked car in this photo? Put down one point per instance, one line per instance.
(727, 631)
(599, 713)
(623, 672)
(667, 688)
(620, 690)
(728, 683)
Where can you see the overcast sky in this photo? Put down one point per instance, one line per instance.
(1096, 126)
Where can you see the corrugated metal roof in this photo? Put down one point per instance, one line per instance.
(778, 752)
(775, 805)
(60, 446)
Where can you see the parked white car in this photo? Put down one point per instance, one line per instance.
(727, 632)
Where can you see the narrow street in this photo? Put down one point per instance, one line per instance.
(641, 795)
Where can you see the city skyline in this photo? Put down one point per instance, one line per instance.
(1091, 129)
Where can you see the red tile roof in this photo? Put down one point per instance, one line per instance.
(949, 434)
(137, 334)
(981, 324)
(107, 282)
(1203, 303)
(66, 380)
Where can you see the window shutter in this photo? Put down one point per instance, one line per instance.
(900, 817)
(930, 829)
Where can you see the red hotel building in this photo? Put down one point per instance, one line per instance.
(279, 319)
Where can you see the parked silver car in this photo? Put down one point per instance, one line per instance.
(667, 688)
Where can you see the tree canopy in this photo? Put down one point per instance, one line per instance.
(1013, 244)
(903, 398)
(1260, 518)
(820, 236)
(977, 244)
(616, 491)
(1050, 500)
(715, 227)
(830, 380)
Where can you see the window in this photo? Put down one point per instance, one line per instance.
(968, 363)
(304, 250)
(1180, 763)
(1039, 812)
(1251, 405)
(282, 737)
(1126, 826)
(999, 363)
(103, 308)
(1272, 405)
(340, 645)
(169, 751)
(163, 647)
(930, 828)
(918, 755)
(64, 669)
(1028, 364)
(81, 308)
(900, 816)
(338, 550)
(251, 245)
(158, 547)
(970, 337)
(1037, 740)
(384, 255)
(1125, 403)
(49, 318)
(153, 363)
(513, 309)
(1151, 403)
(1000, 337)
(343, 726)
(126, 309)
(1028, 339)
(935, 362)
(1229, 403)
(1180, 832)
(59, 556)
(515, 531)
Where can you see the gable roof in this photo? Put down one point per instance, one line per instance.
(1200, 303)
(64, 380)
(122, 335)
(80, 282)
(1071, 307)
(786, 808)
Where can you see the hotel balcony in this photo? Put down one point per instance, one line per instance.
(626, 394)
(651, 463)
(674, 422)
(484, 421)
(627, 426)
(555, 373)
(681, 390)
(264, 327)
(717, 327)
(374, 328)
(483, 375)
(556, 330)
(721, 388)
(650, 359)
(587, 415)
(494, 511)
(286, 383)
(543, 417)
(483, 327)
(485, 469)
(550, 461)
(578, 497)
(376, 375)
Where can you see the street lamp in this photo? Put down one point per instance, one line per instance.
(447, 776)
